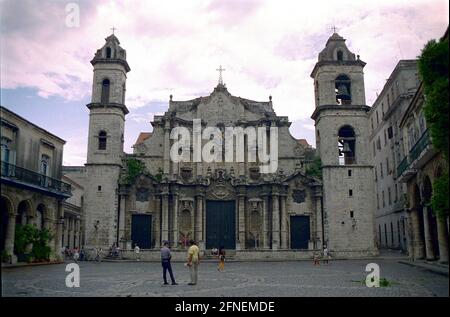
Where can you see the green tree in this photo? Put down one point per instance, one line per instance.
(134, 168)
(433, 70)
(315, 168)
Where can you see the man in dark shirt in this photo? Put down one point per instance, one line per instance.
(165, 260)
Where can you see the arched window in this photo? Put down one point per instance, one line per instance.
(102, 140)
(343, 90)
(340, 56)
(108, 52)
(105, 91)
(346, 145)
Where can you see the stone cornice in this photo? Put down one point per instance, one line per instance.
(94, 105)
(338, 107)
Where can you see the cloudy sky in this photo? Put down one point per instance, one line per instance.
(174, 47)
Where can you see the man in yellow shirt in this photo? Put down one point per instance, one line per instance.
(193, 261)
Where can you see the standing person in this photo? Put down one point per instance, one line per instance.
(221, 255)
(137, 251)
(193, 261)
(76, 255)
(325, 254)
(166, 256)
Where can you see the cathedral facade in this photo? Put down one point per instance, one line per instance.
(147, 197)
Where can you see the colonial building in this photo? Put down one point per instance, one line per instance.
(420, 166)
(147, 197)
(31, 188)
(386, 140)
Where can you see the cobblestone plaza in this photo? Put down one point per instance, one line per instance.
(240, 279)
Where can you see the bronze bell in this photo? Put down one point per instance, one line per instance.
(346, 148)
(343, 93)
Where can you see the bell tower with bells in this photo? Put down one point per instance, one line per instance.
(342, 141)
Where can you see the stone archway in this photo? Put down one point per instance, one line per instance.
(24, 212)
(6, 210)
(417, 223)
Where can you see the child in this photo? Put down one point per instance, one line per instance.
(316, 259)
(221, 265)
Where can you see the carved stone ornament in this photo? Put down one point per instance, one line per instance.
(299, 151)
(298, 195)
(186, 173)
(142, 194)
(254, 173)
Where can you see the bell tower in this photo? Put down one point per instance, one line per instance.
(107, 112)
(342, 141)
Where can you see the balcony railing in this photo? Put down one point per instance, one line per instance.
(420, 145)
(20, 174)
(402, 166)
(414, 153)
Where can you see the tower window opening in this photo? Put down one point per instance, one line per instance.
(340, 56)
(346, 146)
(102, 140)
(108, 52)
(343, 90)
(105, 91)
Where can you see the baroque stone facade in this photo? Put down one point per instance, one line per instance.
(146, 197)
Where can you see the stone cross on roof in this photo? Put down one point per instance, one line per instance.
(113, 29)
(220, 70)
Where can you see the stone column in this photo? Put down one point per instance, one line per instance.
(9, 238)
(157, 225)
(284, 223)
(416, 244)
(122, 219)
(198, 225)
(275, 221)
(167, 148)
(175, 229)
(165, 217)
(59, 231)
(48, 225)
(265, 224)
(65, 241)
(77, 233)
(241, 207)
(442, 240)
(427, 235)
(319, 222)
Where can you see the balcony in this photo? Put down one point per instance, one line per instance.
(21, 177)
(418, 156)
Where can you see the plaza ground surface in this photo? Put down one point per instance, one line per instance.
(272, 279)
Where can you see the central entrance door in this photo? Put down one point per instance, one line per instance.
(220, 224)
(141, 231)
